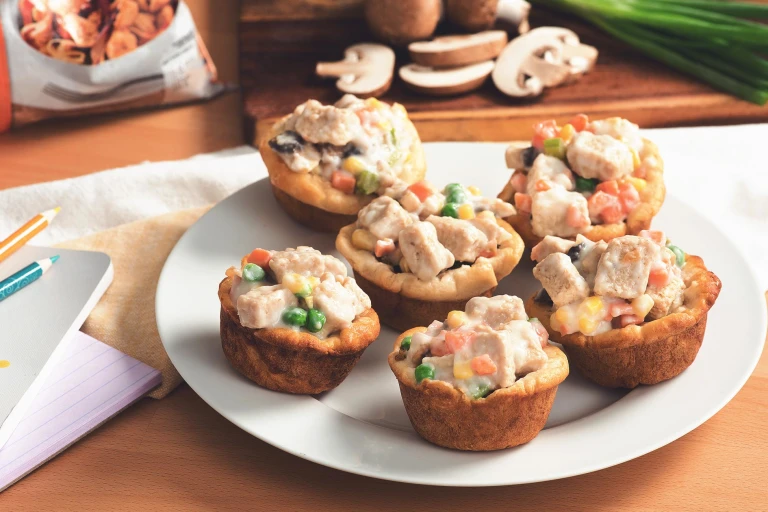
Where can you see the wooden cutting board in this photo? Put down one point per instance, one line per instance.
(280, 42)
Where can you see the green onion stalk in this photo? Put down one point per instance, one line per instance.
(719, 42)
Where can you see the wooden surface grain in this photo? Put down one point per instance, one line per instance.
(179, 454)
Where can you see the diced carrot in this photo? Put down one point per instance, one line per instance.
(579, 121)
(243, 262)
(483, 365)
(625, 320)
(628, 197)
(656, 236)
(599, 200)
(609, 187)
(488, 253)
(519, 182)
(541, 185)
(523, 202)
(439, 349)
(640, 171)
(547, 129)
(612, 214)
(343, 181)
(619, 309)
(659, 277)
(538, 141)
(542, 332)
(260, 257)
(383, 247)
(421, 189)
(575, 218)
(455, 340)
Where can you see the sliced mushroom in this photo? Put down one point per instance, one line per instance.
(520, 155)
(579, 56)
(450, 51)
(399, 22)
(367, 69)
(476, 15)
(522, 69)
(445, 82)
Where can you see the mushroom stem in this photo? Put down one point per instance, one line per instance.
(342, 67)
(514, 12)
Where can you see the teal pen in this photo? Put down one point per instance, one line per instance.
(25, 276)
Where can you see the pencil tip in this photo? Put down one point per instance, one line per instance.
(57, 209)
(54, 258)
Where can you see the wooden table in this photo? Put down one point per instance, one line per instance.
(178, 454)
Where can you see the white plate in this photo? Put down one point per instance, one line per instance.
(361, 426)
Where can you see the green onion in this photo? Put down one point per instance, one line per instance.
(555, 147)
(586, 184)
(367, 183)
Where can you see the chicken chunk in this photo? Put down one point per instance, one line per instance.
(496, 311)
(550, 212)
(341, 300)
(550, 170)
(599, 156)
(561, 280)
(425, 255)
(550, 245)
(305, 261)
(464, 240)
(384, 217)
(667, 298)
(486, 222)
(319, 123)
(625, 266)
(499, 208)
(588, 258)
(619, 128)
(262, 307)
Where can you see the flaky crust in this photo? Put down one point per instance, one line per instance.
(312, 216)
(508, 417)
(313, 190)
(405, 301)
(646, 354)
(651, 199)
(292, 361)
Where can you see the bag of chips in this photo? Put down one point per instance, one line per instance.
(78, 57)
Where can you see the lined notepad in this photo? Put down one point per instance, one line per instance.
(91, 383)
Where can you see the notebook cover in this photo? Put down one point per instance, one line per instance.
(35, 320)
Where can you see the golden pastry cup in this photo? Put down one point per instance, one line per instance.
(291, 361)
(651, 199)
(312, 201)
(445, 416)
(647, 354)
(404, 301)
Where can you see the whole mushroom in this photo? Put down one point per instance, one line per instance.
(399, 22)
(476, 15)
(367, 69)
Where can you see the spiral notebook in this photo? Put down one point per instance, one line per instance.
(91, 384)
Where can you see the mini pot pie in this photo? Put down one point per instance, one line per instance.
(485, 379)
(293, 321)
(628, 312)
(326, 162)
(429, 252)
(600, 179)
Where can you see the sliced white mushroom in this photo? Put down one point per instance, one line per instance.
(458, 50)
(515, 154)
(367, 69)
(521, 69)
(445, 82)
(475, 15)
(578, 56)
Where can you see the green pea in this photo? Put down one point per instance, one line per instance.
(295, 316)
(450, 210)
(367, 183)
(315, 320)
(679, 254)
(585, 184)
(456, 196)
(304, 292)
(252, 273)
(406, 343)
(481, 392)
(424, 371)
(451, 187)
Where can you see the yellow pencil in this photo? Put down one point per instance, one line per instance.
(22, 235)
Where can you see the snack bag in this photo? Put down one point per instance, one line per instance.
(77, 57)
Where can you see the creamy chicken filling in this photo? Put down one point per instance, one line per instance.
(359, 146)
(297, 289)
(596, 287)
(484, 348)
(579, 175)
(429, 231)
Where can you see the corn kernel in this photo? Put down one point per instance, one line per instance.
(462, 370)
(353, 164)
(567, 132)
(635, 157)
(294, 282)
(456, 319)
(373, 103)
(313, 281)
(554, 322)
(587, 325)
(310, 302)
(561, 315)
(474, 190)
(364, 239)
(642, 305)
(638, 183)
(466, 212)
(591, 306)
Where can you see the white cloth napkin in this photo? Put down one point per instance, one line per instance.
(720, 171)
